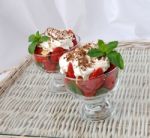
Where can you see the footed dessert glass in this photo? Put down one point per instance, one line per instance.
(94, 94)
(50, 64)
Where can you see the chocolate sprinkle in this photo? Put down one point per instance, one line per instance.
(58, 34)
(80, 55)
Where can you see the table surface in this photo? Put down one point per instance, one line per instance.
(29, 108)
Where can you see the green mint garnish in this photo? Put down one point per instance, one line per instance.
(101, 91)
(108, 50)
(34, 40)
(95, 53)
(73, 87)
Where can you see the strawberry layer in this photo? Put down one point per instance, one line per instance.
(94, 86)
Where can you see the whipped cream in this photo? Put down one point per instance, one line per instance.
(46, 46)
(65, 43)
(84, 65)
(58, 38)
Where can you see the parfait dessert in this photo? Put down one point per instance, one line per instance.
(48, 47)
(91, 74)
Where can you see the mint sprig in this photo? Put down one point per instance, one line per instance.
(95, 53)
(74, 88)
(108, 50)
(34, 40)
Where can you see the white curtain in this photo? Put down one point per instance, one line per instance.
(91, 19)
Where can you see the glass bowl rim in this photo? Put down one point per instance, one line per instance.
(48, 55)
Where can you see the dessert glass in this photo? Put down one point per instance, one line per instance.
(94, 94)
(50, 64)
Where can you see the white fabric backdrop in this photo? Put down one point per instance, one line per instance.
(91, 19)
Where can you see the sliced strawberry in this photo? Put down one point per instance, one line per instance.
(38, 50)
(110, 79)
(54, 58)
(58, 50)
(89, 87)
(56, 54)
(88, 93)
(110, 68)
(49, 66)
(70, 71)
(74, 41)
(95, 82)
(38, 55)
(96, 73)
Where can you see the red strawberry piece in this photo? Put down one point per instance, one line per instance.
(110, 68)
(110, 79)
(49, 66)
(74, 41)
(54, 58)
(90, 86)
(38, 56)
(58, 50)
(70, 71)
(88, 93)
(96, 73)
(56, 54)
(87, 87)
(38, 50)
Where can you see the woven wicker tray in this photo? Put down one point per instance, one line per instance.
(28, 108)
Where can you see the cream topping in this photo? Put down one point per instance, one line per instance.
(83, 64)
(58, 38)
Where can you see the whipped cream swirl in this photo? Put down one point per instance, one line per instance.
(83, 65)
(58, 38)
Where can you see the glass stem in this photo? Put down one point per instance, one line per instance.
(97, 110)
(57, 86)
(59, 80)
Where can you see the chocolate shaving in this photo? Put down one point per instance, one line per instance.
(80, 55)
(58, 34)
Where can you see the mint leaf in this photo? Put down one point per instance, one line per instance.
(100, 42)
(37, 33)
(112, 45)
(102, 46)
(32, 47)
(95, 53)
(37, 36)
(116, 59)
(73, 87)
(101, 91)
(31, 38)
(36, 39)
(44, 38)
(107, 50)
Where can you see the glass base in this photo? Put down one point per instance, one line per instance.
(58, 89)
(97, 111)
(58, 86)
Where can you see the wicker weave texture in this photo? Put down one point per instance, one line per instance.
(29, 108)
